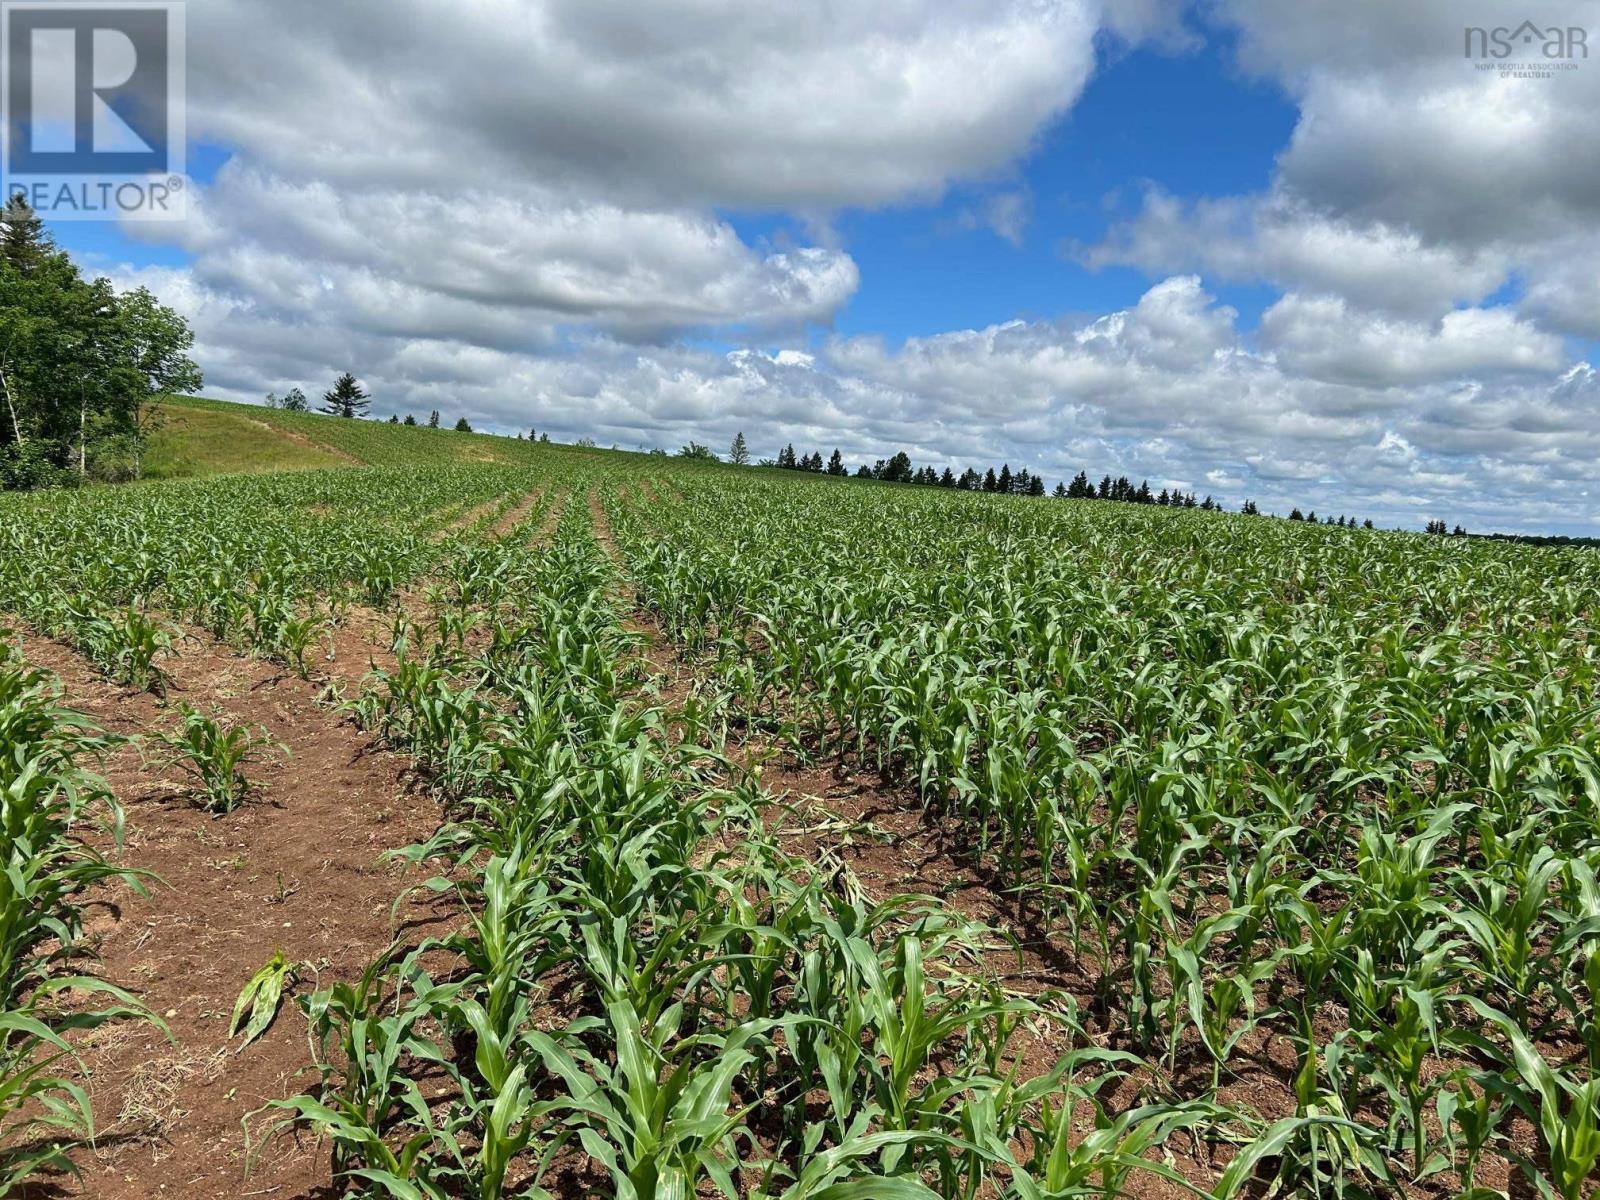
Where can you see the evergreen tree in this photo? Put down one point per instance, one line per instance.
(1296, 515)
(990, 483)
(462, 425)
(1105, 488)
(346, 399)
(864, 472)
(24, 243)
(1036, 485)
(1163, 499)
(433, 419)
(786, 457)
(1003, 484)
(1250, 509)
(394, 419)
(410, 420)
(1061, 491)
(739, 453)
(948, 479)
(836, 463)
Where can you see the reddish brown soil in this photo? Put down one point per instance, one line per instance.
(295, 868)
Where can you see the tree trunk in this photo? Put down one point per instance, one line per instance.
(83, 435)
(16, 425)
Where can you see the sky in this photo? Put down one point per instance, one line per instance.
(1308, 254)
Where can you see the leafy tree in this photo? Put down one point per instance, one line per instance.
(81, 365)
(739, 453)
(294, 400)
(698, 452)
(463, 425)
(836, 463)
(897, 469)
(863, 472)
(347, 398)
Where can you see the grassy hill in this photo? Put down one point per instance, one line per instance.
(214, 437)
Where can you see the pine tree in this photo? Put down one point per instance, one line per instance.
(410, 420)
(1105, 488)
(24, 243)
(347, 398)
(394, 419)
(786, 457)
(462, 425)
(836, 463)
(1004, 483)
(1061, 491)
(990, 483)
(739, 453)
(948, 479)
(1036, 485)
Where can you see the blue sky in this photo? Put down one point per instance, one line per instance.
(1299, 254)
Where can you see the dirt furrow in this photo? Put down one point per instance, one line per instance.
(295, 868)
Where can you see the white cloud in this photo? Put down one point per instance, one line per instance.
(1167, 389)
(1321, 337)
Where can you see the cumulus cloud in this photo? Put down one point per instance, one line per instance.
(1168, 389)
(1285, 241)
(1322, 337)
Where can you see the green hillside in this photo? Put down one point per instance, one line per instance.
(214, 437)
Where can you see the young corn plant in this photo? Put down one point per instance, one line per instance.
(214, 754)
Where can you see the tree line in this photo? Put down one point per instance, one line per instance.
(82, 365)
(898, 468)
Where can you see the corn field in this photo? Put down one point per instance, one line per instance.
(1300, 826)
